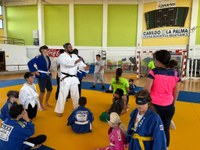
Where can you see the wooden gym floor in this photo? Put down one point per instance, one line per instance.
(186, 85)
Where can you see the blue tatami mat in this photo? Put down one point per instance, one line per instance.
(185, 96)
(13, 82)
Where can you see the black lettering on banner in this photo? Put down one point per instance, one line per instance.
(166, 33)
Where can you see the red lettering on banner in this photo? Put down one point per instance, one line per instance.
(53, 52)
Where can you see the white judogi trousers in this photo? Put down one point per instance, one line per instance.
(68, 84)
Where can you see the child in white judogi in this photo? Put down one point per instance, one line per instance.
(29, 97)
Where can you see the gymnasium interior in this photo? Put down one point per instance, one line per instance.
(125, 33)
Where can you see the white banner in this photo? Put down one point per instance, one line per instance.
(166, 4)
(180, 32)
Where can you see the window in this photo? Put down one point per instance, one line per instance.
(1, 13)
(1, 23)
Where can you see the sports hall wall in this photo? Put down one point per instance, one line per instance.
(21, 21)
(88, 20)
(92, 26)
(1, 29)
(198, 29)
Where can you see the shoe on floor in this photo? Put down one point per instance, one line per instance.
(103, 87)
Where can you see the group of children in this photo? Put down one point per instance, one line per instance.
(80, 119)
(16, 126)
(145, 129)
(17, 120)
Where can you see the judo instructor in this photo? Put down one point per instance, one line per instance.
(69, 64)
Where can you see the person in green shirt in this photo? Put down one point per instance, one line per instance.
(118, 82)
(151, 64)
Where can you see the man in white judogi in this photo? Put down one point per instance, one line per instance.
(69, 64)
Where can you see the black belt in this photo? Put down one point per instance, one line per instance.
(67, 75)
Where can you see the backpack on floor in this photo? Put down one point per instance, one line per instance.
(104, 116)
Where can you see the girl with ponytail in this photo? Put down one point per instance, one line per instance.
(121, 83)
(162, 83)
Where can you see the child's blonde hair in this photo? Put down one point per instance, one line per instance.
(116, 122)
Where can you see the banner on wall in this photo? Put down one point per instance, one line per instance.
(53, 52)
(165, 4)
(180, 32)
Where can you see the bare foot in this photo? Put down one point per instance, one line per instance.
(59, 114)
(42, 109)
(48, 105)
(172, 125)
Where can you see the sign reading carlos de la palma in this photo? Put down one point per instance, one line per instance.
(180, 32)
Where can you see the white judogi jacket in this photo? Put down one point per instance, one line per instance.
(29, 95)
(67, 65)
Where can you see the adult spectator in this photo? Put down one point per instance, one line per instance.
(162, 85)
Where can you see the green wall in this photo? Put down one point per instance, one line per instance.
(21, 21)
(198, 29)
(88, 20)
(122, 25)
(56, 24)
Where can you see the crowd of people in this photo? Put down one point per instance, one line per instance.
(149, 123)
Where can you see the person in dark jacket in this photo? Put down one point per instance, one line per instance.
(117, 105)
(43, 74)
(15, 132)
(12, 98)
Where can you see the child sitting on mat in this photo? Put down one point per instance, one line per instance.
(81, 118)
(117, 105)
(116, 133)
(132, 87)
(12, 98)
(16, 131)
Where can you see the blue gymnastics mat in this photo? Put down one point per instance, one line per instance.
(186, 96)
